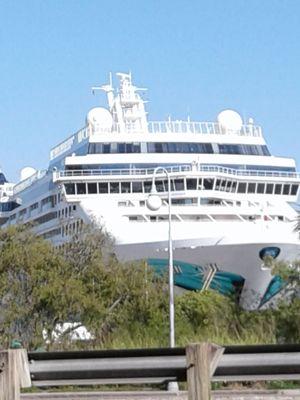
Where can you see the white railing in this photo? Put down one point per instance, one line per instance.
(67, 144)
(175, 169)
(185, 127)
(29, 181)
(101, 172)
(203, 128)
(243, 172)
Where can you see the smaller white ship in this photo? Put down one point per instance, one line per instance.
(232, 201)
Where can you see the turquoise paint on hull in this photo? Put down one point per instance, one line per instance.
(275, 286)
(191, 276)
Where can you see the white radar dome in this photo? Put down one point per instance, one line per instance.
(27, 172)
(100, 119)
(230, 120)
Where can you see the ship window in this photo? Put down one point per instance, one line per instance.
(178, 147)
(294, 190)
(113, 148)
(269, 252)
(286, 189)
(70, 188)
(260, 188)
(137, 187)
(158, 147)
(103, 187)
(208, 184)
(129, 147)
(147, 187)
(114, 187)
(45, 218)
(136, 147)
(47, 200)
(81, 188)
(166, 185)
(242, 187)
(121, 147)
(159, 186)
(229, 149)
(243, 149)
(265, 151)
(92, 188)
(233, 187)
(191, 184)
(270, 188)
(223, 185)
(278, 188)
(228, 186)
(251, 187)
(187, 201)
(34, 206)
(106, 148)
(125, 187)
(218, 184)
(179, 184)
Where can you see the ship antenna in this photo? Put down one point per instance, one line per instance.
(108, 89)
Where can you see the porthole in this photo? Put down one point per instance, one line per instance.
(269, 252)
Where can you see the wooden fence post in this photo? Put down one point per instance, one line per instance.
(201, 360)
(14, 373)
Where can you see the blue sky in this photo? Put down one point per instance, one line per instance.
(196, 57)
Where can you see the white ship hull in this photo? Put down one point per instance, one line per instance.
(230, 246)
(241, 259)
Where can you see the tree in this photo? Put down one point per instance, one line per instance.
(42, 287)
(27, 263)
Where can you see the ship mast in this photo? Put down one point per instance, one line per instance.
(127, 107)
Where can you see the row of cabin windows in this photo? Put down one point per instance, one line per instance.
(72, 229)
(52, 200)
(64, 213)
(52, 233)
(181, 185)
(69, 229)
(177, 147)
(8, 206)
(203, 218)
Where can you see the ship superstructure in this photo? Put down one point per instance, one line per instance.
(232, 201)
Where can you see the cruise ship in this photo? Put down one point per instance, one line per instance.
(232, 202)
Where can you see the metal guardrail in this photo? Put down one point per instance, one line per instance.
(29, 181)
(238, 363)
(175, 169)
(198, 364)
(192, 127)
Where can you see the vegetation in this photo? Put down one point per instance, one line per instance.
(120, 304)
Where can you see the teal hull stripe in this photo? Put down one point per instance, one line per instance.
(274, 287)
(191, 276)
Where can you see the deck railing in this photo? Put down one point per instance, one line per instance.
(184, 127)
(175, 169)
(29, 181)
